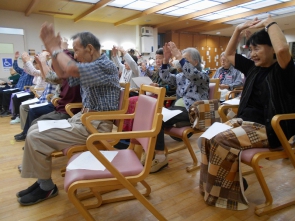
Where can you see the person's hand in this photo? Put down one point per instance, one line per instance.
(121, 49)
(154, 84)
(114, 50)
(42, 57)
(25, 57)
(16, 55)
(263, 23)
(174, 50)
(223, 86)
(167, 54)
(248, 24)
(248, 34)
(51, 41)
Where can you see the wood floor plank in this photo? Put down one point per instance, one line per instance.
(175, 192)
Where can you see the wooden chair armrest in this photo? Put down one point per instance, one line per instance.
(222, 111)
(275, 123)
(71, 106)
(54, 101)
(172, 98)
(232, 94)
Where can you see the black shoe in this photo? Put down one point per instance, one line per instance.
(20, 138)
(245, 184)
(37, 195)
(5, 113)
(13, 117)
(17, 135)
(28, 190)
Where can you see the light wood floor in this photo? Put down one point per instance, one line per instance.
(174, 191)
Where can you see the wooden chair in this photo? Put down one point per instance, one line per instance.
(183, 133)
(125, 170)
(123, 106)
(252, 157)
(34, 90)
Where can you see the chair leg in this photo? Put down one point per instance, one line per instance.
(195, 165)
(79, 206)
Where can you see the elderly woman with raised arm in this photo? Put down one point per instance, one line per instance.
(268, 90)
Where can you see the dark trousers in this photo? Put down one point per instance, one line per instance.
(5, 98)
(17, 101)
(36, 112)
(182, 117)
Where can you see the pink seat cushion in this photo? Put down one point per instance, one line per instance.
(247, 155)
(125, 161)
(177, 131)
(211, 90)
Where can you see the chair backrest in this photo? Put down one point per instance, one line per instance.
(213, 91)
(123, 101)
(146, 111)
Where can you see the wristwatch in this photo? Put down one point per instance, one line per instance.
(56, 52)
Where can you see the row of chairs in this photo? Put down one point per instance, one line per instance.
(249, 157)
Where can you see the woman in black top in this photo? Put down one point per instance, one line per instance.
(268, 90)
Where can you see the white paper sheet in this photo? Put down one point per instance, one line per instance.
(168, 114)
(87, 161)
(142, 80)
(213, 130)
(30, 101)
(38, 105)
(11, 89)
(235, 101)
(50, 124)
(22, 94)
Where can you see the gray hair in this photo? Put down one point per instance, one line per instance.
(195, 56)
(176, 64)
(87, 38)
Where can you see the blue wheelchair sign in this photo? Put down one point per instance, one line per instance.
(6, 63)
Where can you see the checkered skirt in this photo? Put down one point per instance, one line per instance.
(220, 177)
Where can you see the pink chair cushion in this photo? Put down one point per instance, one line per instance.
(177, 131)
(248, 154)
(144, 117)
(125, 161)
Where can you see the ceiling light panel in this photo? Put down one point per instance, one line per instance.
(259, 16)
(140, 5)
(260, 4)
(222, 1)
(158, 1)
(202, 5)
(210, 17)
(166, 10)
(284, 10)
(187, 3)
(120, 3)
(232, 11)
(237, 21)
(87, 1)
(180, 12)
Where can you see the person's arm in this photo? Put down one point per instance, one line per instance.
(132, 64)
(15, 64)
(232, 45)
(52, 43)
(278, 41)
(116, 60)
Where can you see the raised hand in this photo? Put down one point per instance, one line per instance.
(167, 53)
(248, 24)
(16, 55)
(51, 41)
(174, 50)
(25, 57)
(114, 50)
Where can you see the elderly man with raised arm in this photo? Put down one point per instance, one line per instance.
(100, 89)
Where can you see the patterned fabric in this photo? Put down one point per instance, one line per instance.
(220, 176)
(127, 126)
(191, 84)
(50, 89)
(203, 114)
(99, 83)
(25, 79)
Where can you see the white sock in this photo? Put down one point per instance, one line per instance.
(160, 157)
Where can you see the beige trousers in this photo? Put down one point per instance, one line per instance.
(39, 145)
(23, 113)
